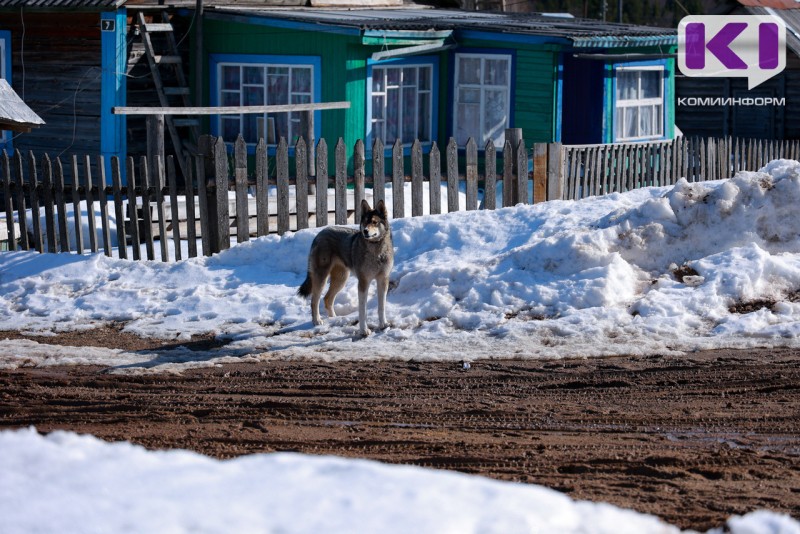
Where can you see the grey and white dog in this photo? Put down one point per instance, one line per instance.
(367, 252)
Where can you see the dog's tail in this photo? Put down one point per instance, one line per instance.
(305, 288)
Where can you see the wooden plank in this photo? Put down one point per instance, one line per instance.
(105, 224)
(158, 183)
(76, 206)
(22, 211)
(588, 172)
(452, 176)
(522, 172)
(508, 174)
(119, 213)
(282, 164)
(378, 172)
(398, 181)
(49, 203)
(61, 206)
(301, 183)
(12, 235)
(571, 184)
(555, 172)
(416, 179)
(472, 174)
(435, 179)
(191, 215)
(604, 170)
(490, 176)
(87, 169)
(322, 178)
(202, 196)
(262, 189)
(172, 181)
(340, 183)
(240, 185)
(147, 217)
(222, 232)
(359, 178)
(227, 110)
(539, 172)
(701, 175)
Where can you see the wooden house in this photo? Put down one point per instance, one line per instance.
(429, 74)
(747, 121)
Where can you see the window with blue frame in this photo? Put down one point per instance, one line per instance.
(482, 98)
(263, 81)
(639, 109)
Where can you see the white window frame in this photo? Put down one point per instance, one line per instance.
(484, 135)
(621, 106)
(383, 71)
(265, 122)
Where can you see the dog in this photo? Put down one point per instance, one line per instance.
(336, 251)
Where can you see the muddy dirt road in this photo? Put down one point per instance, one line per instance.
(691, 439)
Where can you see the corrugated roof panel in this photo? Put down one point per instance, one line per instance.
(62, 4)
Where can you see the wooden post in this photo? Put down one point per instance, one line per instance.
(282, 164)
(301, 183)
(539, 172)
(155, 141)
(76, 206)
(555, 172)
(221, 197)
(508, 175)
(12, 235)
(159, 181)
(359, 178)
(435, 166)
(240, 183)
(378, 172)
(416, 179)
(490, 178)
(472, 174)
(307, 132)
(47, 184)
(116, 180)
(87, 165)
(22, 212)
(452, 176)
(262, 189)
(340, 183)
(514, 136)
(172, 180)
(202, 164)
(398, 181)
(147, 216)
(322, 183)
(191, 216)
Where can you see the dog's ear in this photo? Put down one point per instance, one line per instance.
(381, 209)
(365, 209)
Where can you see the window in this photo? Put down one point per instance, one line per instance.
(257, 84)
(639, 103)
(402, 103)
(483, 98)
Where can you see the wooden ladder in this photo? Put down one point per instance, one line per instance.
(183, 131)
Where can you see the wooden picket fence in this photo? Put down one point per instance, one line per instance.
(222, 197)
(591, 170)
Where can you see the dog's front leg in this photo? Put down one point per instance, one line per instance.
(383, 288)
(363, 292)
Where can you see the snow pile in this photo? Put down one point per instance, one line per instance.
(69, 483)
(693, 266)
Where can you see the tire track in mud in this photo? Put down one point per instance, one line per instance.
(692, 439)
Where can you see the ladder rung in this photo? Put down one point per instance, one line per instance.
(183, 123)
(167, 59)
(172, 91)
(157, 27)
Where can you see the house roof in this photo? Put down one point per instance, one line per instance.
(790, 17)
(580, 32)
(92, 5)
(15, 115)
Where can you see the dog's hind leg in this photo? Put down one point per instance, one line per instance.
(317, 285)
(339, 275)
(363, 293)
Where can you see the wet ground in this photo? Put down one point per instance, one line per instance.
(691, 439)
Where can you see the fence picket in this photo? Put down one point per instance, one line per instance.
(202, 195)
(221, 209)
(262, 189)
(452, 176)
(240, 188)
(122, 241)
(158, 181)
(378, 172)
(490, 176)
(398, 180)
(282, 164)
(76, 206)
(435, 179)
(12, 235)
(22, 212)
(49, 203)
(359, 177)
(340, 183)
(472, 175)
(61, 207)
(191, 216)
(300, 185)
(172, 182)
(416, 179)
(321, 186)
(508, 174)
(122, 250)
(147, 214)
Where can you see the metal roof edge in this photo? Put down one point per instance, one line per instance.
(608, 41)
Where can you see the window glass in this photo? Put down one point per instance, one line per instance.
(640, 103)
(483, 98)
(401, 103)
